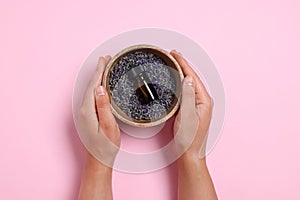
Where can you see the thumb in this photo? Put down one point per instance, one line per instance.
(187, 128)
(188, 102)
(105, 116)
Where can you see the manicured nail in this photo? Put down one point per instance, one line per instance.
(100, 91)
(189, 80)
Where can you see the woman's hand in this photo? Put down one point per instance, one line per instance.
(196, 106)
(95, 122)
(98, 131)
(192, 123)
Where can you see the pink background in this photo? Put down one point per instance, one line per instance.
(254, 44)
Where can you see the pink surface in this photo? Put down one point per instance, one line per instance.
(254, 44)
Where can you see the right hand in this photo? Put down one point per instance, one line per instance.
(195, 110)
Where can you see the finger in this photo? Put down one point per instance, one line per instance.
(188, 102)
(187, 70)
(187, 128)
(200, 90)
(105, 116)
(89, 100)
(107, 59)
(101, 68)
(102, 63)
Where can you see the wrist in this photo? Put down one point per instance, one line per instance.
(92, 165)
(188, 160)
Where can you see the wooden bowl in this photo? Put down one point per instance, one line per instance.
(176, 74)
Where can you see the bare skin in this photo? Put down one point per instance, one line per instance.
(96, 182)
(194, 181)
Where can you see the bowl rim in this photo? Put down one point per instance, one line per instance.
(111, 64)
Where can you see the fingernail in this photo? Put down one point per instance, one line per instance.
(189, 80)
(101, 58)
(100, 91)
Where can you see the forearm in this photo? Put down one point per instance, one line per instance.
(194, 181)
(96, 181)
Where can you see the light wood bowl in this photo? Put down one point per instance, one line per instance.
(170, 61)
